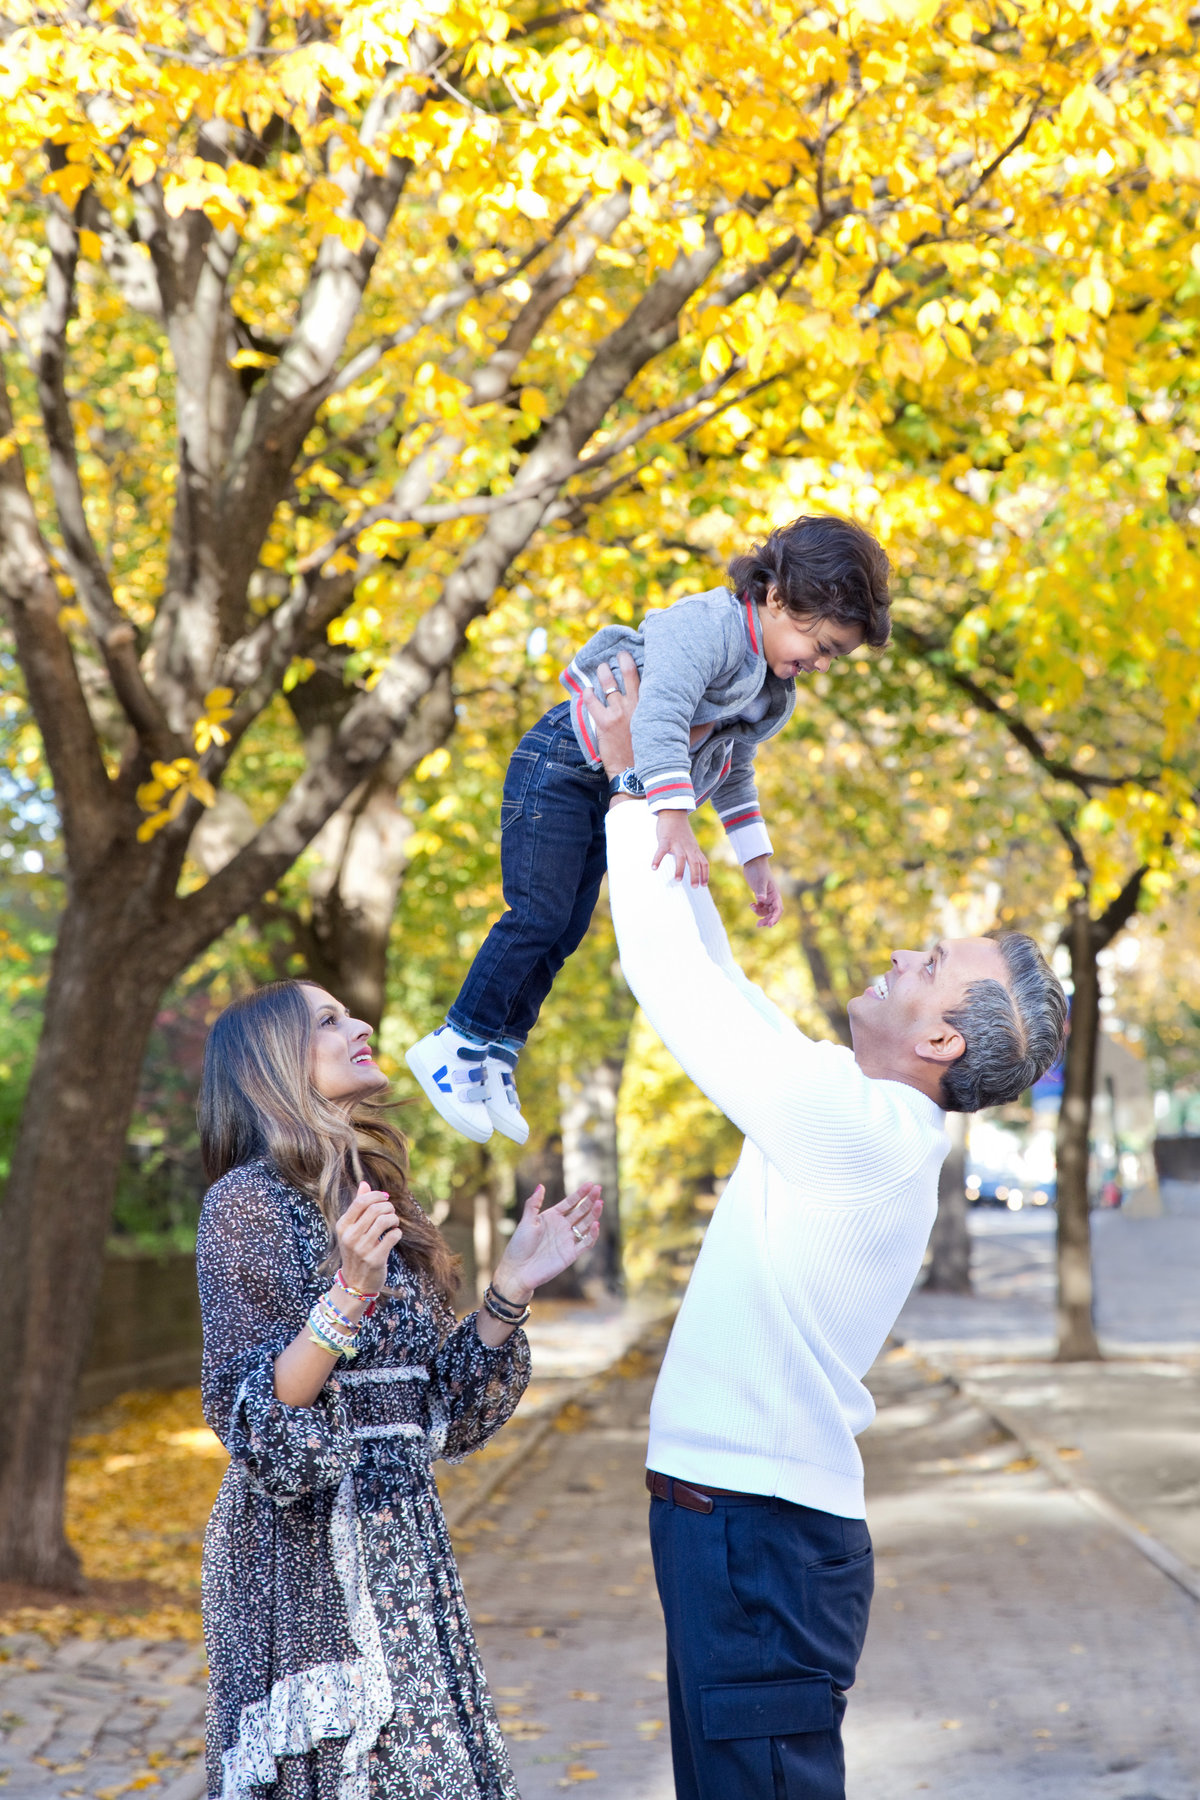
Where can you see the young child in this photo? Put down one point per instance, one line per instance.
(718, 677)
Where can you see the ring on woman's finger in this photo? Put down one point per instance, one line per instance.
(578, 1234)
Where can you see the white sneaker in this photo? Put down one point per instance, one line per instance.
(450, 1068)
(504, 1108)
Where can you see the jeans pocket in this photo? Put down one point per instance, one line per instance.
(522, 765)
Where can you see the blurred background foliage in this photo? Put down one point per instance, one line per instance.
(1000, 379)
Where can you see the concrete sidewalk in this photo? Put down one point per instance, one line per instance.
(1019, 1647)
(1127, 1428)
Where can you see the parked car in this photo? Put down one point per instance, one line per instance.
(992, 1188)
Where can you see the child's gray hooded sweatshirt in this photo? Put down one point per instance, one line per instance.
(701, 662)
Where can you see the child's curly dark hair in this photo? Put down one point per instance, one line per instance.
(823, 567)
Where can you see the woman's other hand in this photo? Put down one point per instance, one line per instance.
(546, 1243)
(366, 1232)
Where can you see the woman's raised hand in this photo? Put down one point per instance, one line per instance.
(546, 1243)
(367, 1230)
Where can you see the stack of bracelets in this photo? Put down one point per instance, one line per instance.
(507, 1311)
(330, 1329)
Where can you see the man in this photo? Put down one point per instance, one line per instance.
(761, 1550)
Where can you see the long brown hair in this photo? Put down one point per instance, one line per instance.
(257, 1098)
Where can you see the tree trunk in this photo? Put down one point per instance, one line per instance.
(364, 852)
(459, 1227)
(588, 1109)
(361, 851)
(101, 1001)
(545, 1169)
(1077, 1340)
(950, 1268)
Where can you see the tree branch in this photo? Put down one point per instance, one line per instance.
(939, 657)
(282, 410)
(821, 975)
(1120, 909)
(113, 632)
(364, 360)
(553, 284)
(1079, 862)
(81, 786)
(391, 709)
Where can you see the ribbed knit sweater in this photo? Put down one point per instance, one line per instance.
(819, 1233)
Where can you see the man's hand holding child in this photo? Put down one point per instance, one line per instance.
(612, 720)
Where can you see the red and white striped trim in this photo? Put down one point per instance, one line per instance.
(731, 821)
(576, 687)
(752, 625)
(672, 789)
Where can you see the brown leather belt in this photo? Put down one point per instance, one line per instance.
(690, 1494)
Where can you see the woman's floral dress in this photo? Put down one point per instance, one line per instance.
(343, 1666)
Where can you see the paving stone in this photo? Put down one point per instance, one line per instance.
(37, 1727)
(179, 1719)
(75, 1735)
(188, 1785)
(86, 1717)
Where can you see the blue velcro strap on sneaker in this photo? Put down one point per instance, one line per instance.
(502, 1054)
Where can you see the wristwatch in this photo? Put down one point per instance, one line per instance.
(627, 783)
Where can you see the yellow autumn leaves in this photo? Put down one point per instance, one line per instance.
(164, 796)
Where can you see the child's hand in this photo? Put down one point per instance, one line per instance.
(676, 838)
(768, 902)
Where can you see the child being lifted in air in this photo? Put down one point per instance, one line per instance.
(718, 677)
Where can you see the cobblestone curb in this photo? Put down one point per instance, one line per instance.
(96, 1720)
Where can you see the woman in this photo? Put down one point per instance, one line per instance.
(342, 1661)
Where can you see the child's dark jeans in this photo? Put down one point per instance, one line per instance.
(552, 858)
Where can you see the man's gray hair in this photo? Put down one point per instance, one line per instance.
(1013, 1033)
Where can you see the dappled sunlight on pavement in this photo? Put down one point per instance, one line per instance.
(1019, 1649)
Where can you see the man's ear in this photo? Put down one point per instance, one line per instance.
(944, 1048)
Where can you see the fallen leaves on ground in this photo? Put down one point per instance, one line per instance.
(140, 1485)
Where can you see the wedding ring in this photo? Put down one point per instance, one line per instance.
(577, 1234)
(607, 692)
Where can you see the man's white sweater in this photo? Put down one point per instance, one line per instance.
(819, 1233)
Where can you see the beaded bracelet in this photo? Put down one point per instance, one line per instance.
(339, 1280)
(317, 1336)
(337, 1313)
(328, 1334)
(335, 1323)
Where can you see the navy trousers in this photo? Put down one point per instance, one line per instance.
(766, 1607)
(552, 860)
